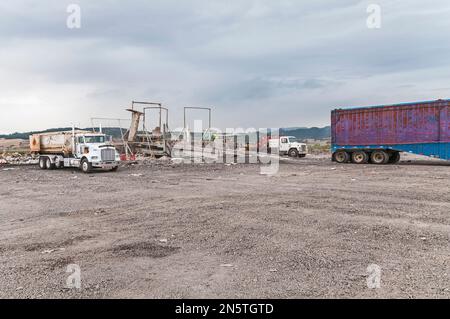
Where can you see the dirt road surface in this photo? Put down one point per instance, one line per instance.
(205, 231)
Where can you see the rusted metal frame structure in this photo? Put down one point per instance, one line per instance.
(198, 108)
(155, 106)
(160, 108)
(163, 129)
(124, 142)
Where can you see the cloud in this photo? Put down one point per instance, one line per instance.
(256, 62)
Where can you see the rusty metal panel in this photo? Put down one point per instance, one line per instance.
(52, 143)
(35, 143)
(421, 122)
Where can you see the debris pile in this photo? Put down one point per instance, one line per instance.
(17, 159)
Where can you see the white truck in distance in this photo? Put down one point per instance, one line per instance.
(289, 145)
(82, 149)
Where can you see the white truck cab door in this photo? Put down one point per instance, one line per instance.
(284, 144)
(80, 145)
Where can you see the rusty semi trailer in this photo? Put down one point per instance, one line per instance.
(378, 134)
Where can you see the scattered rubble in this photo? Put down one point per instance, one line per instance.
(17, 159)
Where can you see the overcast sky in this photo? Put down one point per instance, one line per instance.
(256, 63)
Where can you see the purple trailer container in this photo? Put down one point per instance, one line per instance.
(379, 133)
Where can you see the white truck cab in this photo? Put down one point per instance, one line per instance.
(289, 145)
(95, 151)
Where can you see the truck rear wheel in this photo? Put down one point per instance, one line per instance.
(341, 157)
(85, 166)
(42, 161)
(395, 158)
(59, 164)
(293, 152)
(49, 164)
(379, 157)
(360, 157)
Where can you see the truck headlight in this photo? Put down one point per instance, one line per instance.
(94, 157)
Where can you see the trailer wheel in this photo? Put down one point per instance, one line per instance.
(379, 157)
(341, 157)
(395, 158)
(42, 160)
(293, 152)
(85, 166)
(360, 157)
(49, 164)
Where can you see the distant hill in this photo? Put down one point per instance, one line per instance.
(315, 133)
(293, 128)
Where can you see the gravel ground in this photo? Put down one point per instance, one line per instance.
(205, 231)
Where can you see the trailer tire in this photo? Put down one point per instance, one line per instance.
(379, 157)
(85, 166)
(293, 152)
(360, 157)
(394, 158)
(49, 164)
(42, 160)
(341, 157)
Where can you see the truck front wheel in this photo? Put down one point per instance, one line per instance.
(293, 152)
(86, 167)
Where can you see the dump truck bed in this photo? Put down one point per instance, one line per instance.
(53, 143)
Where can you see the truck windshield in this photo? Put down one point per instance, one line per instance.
(94, 139)
(293, 140)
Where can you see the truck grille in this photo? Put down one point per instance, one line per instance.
(108, 155)
(303, 148)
